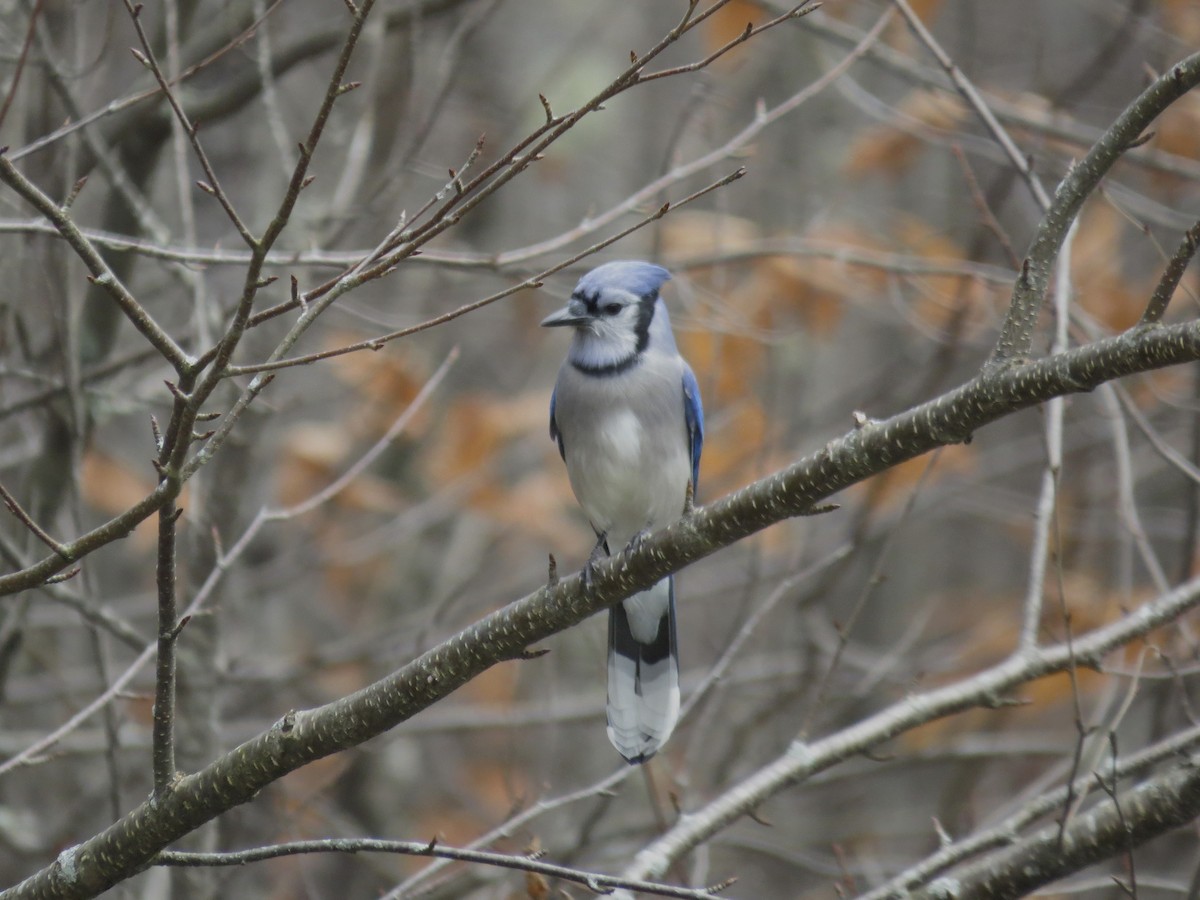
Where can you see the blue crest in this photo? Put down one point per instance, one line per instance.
(633, 276)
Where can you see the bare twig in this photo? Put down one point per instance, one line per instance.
(802, 760)
(22, 59)
(147, 57)
(869, 588)
(1154, 806)
(1016, 158)
(25, 519)
(985, 213)
(796, 12)
(1016, 336)
(1002, 833)
(533, 281)
(1165, 289)
(594, 881)
(1047, 504)
(102, 275)
(164, 679)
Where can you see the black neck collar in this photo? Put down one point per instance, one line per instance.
(607, 370)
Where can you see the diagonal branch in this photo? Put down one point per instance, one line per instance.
(1001, 833)
(1116, 823)
(301, 737)
(1016, 336)
(987, 688)
(102, 275)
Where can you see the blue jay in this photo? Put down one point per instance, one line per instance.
(627, 417)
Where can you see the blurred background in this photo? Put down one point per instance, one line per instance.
(863, 263)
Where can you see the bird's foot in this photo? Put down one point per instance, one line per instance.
(636, 541)
(598, 553)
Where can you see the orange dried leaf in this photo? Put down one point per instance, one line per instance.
(732, 448)
(942, 300)
(495, 687)
(889, 490)
(729, 23)
(1096, 273)
(386, 381)
(477, 426)
(113, 486)
(693, 234)
(315, 455)
(1181, 19)
(890, 149)
(1177, 129)
(536, 886)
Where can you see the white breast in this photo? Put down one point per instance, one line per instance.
(628, 460)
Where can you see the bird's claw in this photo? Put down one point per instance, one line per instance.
(598, 553)
(636, 541)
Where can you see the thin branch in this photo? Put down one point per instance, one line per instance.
(1171, 277)
(990, 222)
(1016, 336)
(27, 520)
(1125, 480)
(1002, 833)
(603, 787)
(163, 734)
(1047, 504)
(509, 258)
(218, 359)
(402, 421)
(22, 60)
(106, 160)
(1153, 807)
(594, 881)
(1054, 124)
(119, 526)
(102, 275)
(817, 248)
(875, 578)
(533, 281)
(802, 760)
(963, 85)
(751, 30)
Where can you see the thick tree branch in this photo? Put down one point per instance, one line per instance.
(304, 736)
(1004, 833)
(1145, 811)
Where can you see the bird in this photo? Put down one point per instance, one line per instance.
(629, 423)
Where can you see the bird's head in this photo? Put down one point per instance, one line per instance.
(613, 310)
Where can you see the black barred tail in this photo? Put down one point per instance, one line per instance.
(643, 672)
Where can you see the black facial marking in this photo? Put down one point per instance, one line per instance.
(641, 328)
(645, 314)
(590, 301)
(607, 370)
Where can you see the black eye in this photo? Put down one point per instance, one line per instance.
(611, 309)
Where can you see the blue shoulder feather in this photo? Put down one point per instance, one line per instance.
(693, 413)
(555, 434)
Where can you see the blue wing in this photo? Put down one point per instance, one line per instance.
(693, 414)
(555, 434)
